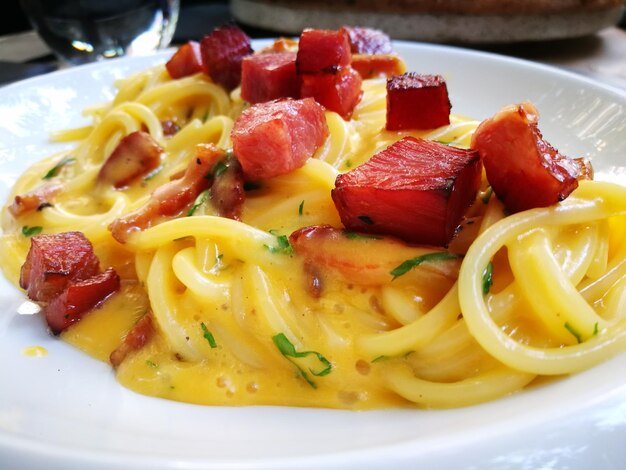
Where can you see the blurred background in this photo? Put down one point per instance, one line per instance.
(590, 43)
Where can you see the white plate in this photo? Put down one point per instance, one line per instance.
(66, 410)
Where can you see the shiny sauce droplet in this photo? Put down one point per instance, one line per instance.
(35, 351)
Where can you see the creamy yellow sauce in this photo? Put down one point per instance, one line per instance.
(221, 379)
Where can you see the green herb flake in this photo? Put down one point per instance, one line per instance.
(348, 163)
(301, 208)
(380, 359)
(151, 364)
(201, 199)
(52, 172)
(485, 196)
(409, 264)
(363, 236)
(487, 278)
(366, 220)
(288, 350)
(573, 331)
(219, 168)
(595, 329)
(208, 336)
(282, 245)
(30, 231)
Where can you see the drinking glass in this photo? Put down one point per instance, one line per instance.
(80, 31)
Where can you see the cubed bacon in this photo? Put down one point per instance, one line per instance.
(269, 76)
(524, 170)
(364, 260)
(367, 40)
(78, 298)
(222, 52)
(136, 155)
(274, 138)
(186, 61)
(34, 200)
(417, 101)
(227, 192)
(415, 189)
(171, 198)
(54, 261)
(322, 51)
(339, 92)
(135, 339)
(378, 65)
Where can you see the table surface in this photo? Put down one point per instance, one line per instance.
(601, 56)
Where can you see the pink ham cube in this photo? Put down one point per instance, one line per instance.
(276, 137)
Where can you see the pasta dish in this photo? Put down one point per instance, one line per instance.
(270, 298)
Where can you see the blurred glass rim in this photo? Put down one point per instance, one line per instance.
(156, 32)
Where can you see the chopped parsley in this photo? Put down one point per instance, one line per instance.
(201, 199)
(288, 350)
(486, 195)
(366, 220)
(219, 168)
(487, 278)
(409, 264)
(55, 169)
(595, 329)
(348, 163)
(208, 336)
(282, 245)
(30, 231)
(573, 331)
(301, 208)
(379, 359)
(151, 364)
(385, 358)
(356, 236)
